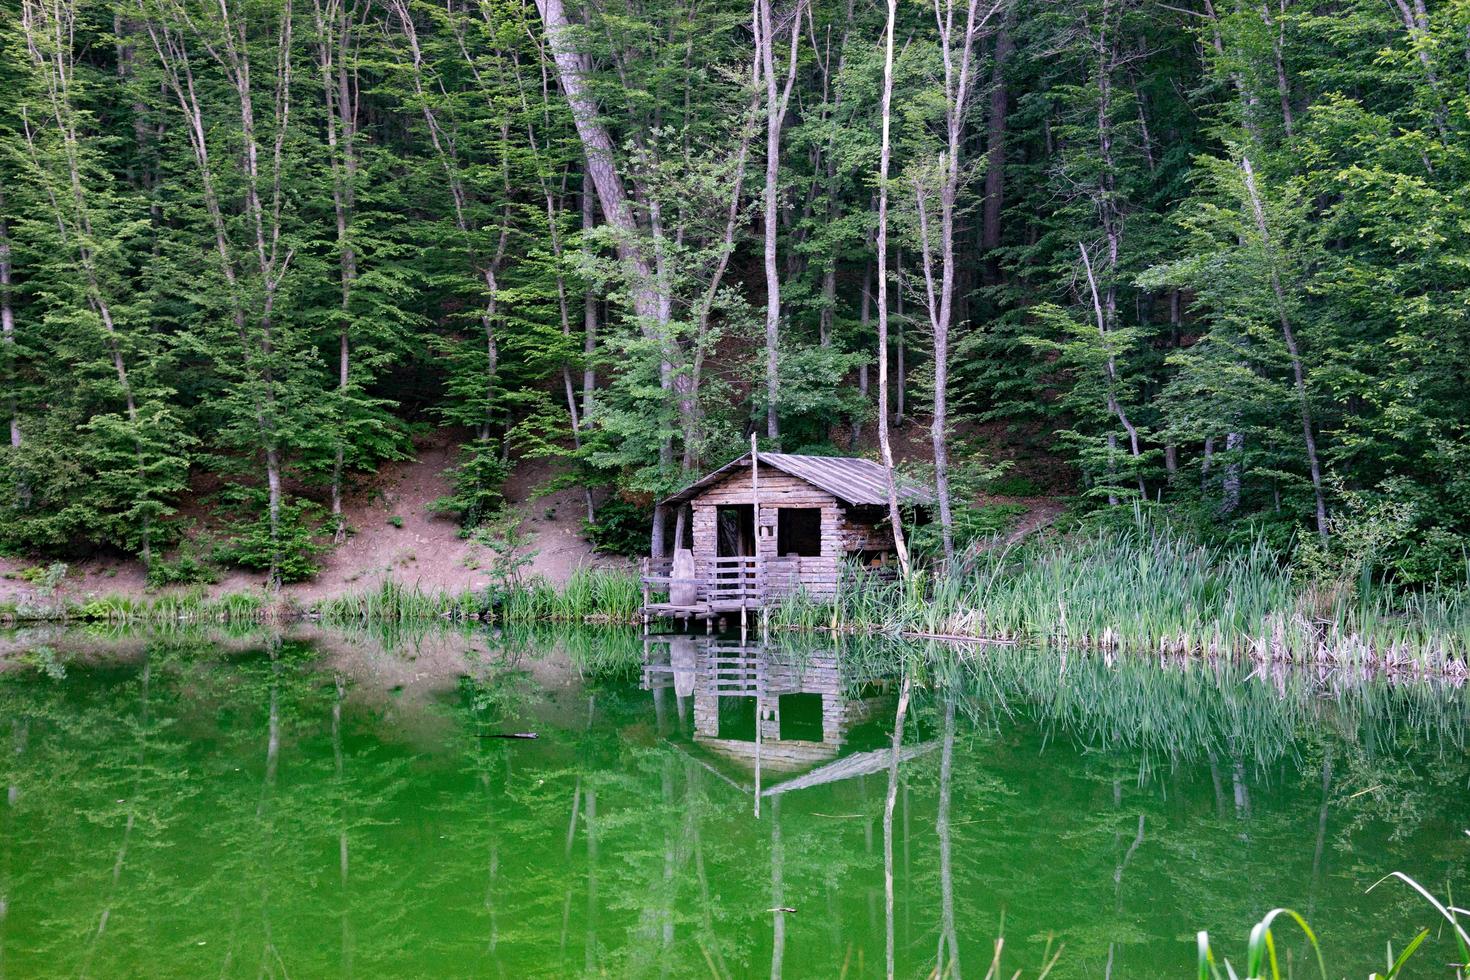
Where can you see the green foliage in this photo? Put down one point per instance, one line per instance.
(973, 526)
(289, 549)
(1012, 485)
(213, 285)
(478, 478)
(621, 528)
(504, 536)
(185, 568)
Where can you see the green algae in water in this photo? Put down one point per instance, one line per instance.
(322, 805)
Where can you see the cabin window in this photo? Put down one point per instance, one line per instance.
(801, 717)
(799, 531)
(736, 718)
(735, 531)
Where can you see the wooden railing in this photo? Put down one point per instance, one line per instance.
(720, 583)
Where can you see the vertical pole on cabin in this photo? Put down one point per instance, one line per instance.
(755, 520)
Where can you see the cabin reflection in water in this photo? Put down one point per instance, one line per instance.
(770, 719)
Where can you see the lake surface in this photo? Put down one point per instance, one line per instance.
(324, 805)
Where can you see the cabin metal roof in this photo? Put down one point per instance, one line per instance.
(852, 481)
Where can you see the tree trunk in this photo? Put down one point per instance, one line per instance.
(776, 103)
(652, 308)
(7, 327)
(1111, 369)
(271, 263)
(339, 88)
(895, 518)
(48, 39)
(589, 310)
(1230, 483)
(1298, 370)
(864, 320)
(940, 297)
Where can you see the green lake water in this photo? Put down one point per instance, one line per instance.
(325, 805)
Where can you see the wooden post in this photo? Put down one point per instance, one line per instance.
(647, 570)
(755, 514)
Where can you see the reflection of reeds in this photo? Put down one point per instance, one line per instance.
(1151, 589)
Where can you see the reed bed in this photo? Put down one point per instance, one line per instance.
(1150, 589)
(590, 596)
(154, 611)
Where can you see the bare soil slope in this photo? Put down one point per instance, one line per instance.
(394, 534)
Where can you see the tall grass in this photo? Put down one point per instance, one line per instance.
(163, 610)
(590, 596)
(1150, 588)
(1263, 960)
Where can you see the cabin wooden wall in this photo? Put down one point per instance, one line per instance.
(858, 530)
(844, 530)
(777, 489)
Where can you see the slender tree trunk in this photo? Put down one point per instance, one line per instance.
(1283, 84)
(776, 103)
(1298, 370)
(589, 309)
(939, 297)
(229, 49)
(1230, 484)
(1114, 406)
(885, 447)
(49, 41)
(900, 368)
(7, 334)
(334, 26)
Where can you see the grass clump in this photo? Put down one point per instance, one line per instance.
(1151, 588)
(590, 596)
(1263, 960)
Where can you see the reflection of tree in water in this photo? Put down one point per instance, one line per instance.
(269, 808)
(92, 784)
(181, 838)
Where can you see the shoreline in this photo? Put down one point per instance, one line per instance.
(542, 604)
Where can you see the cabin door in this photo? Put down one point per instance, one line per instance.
(735, 531)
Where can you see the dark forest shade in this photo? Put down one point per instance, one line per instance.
(1214, 260)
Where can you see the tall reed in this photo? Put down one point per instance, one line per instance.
(590, 596)
(1150, 588)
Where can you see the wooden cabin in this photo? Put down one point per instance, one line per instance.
(749, 532)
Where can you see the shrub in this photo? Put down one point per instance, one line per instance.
(186, 568)
(478, 480)
(621, 528)
(971, 524)
(295, 551)
(1013, 485)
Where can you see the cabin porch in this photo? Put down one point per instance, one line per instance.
(717, 587)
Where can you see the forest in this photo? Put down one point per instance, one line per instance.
(1209, 261)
